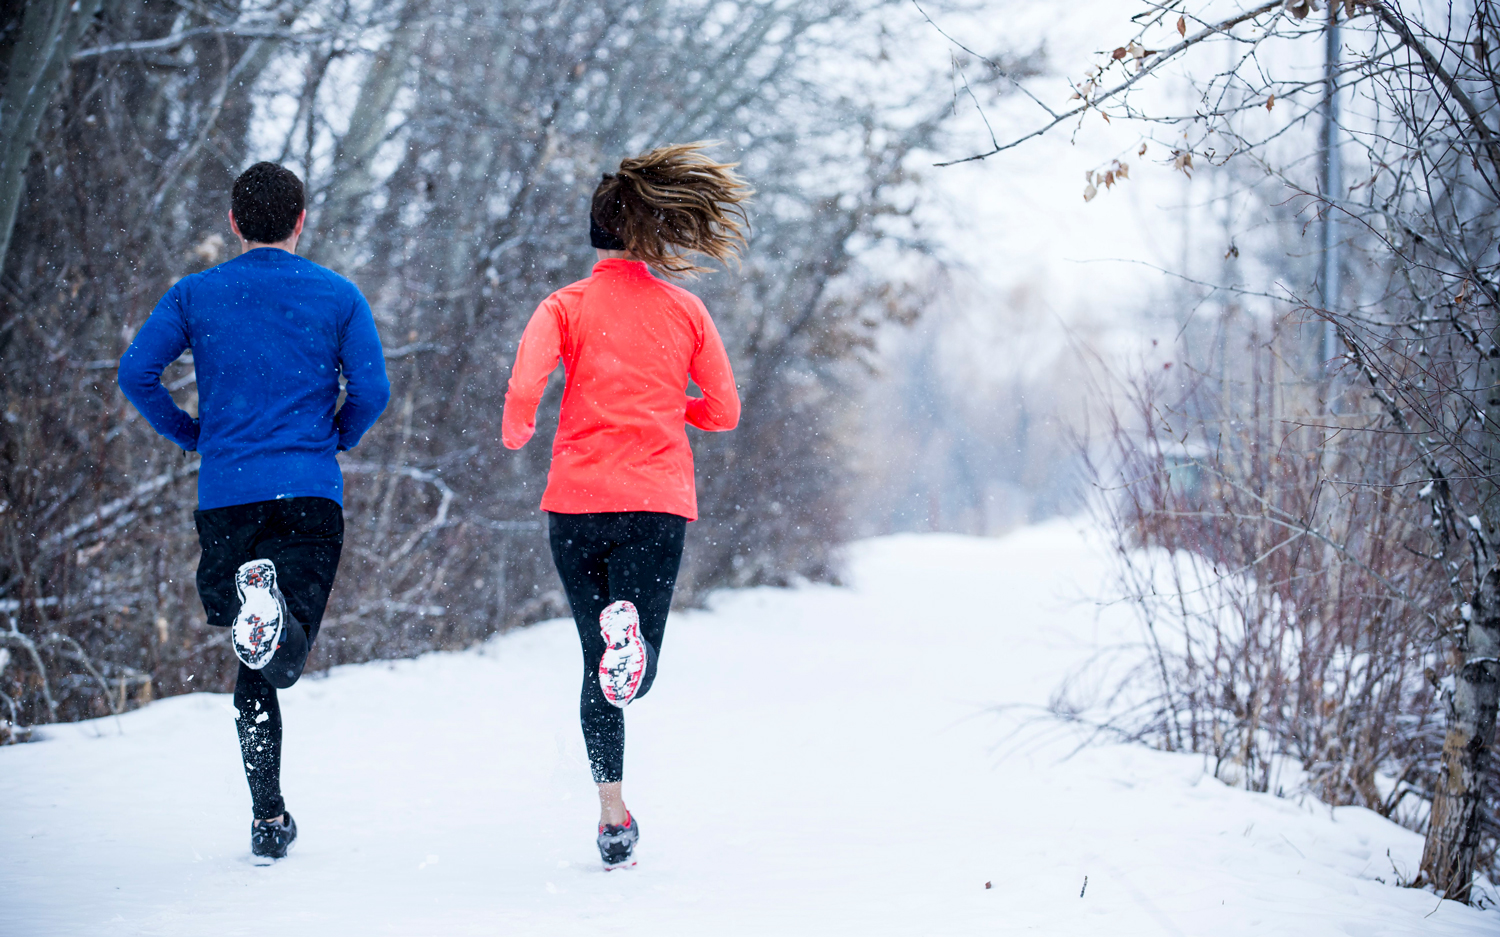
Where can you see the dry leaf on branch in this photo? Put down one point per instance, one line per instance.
(1301, 8)
(1182, 25)
(1183, 160)
(1117, 172)
(1089, 83)
(1119, 53)
(1270, 102)
(1137, 52)
(1141, 151)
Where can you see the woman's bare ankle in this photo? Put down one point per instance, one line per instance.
(612, 810)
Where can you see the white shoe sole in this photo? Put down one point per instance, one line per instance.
(623, 665)
(261, 621)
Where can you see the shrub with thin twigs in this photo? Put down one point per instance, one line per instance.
(1285, 586)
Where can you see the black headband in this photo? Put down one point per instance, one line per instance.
(602, 239)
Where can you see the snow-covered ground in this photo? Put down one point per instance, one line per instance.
(814, 761)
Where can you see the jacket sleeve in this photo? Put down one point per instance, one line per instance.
(719, 407)
(156, 345)
(536, 358)
(366, 388)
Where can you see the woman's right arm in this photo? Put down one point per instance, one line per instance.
(541, 346)
(719, 407)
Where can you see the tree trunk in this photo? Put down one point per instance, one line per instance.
(33, 67)
(343, 200)
(1453, 832)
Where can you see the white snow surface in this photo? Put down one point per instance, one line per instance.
(819, 760)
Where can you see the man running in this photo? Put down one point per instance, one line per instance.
(271, 335)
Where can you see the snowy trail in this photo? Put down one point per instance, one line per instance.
(865, 790)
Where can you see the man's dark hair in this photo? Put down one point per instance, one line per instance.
(266, 202)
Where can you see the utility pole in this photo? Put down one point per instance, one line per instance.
(1333, 182)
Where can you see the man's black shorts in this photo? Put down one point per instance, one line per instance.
(302, 536)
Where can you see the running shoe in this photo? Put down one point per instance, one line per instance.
(617, 844)
(623, 665)
(270, 839)
(258, 628)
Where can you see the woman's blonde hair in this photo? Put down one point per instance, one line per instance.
(673, 202)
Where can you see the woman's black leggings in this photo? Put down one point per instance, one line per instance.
(603, 558)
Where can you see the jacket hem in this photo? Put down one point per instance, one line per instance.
(275, 494)
(616, 507)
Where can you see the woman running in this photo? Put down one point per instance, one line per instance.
(620, 491)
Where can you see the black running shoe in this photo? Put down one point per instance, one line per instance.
(617, 844)
(285, 666)
(271, 839)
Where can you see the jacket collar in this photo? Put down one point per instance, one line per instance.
(618, 266)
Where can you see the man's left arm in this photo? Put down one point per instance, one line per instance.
(366, 388)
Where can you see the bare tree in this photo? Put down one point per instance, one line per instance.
(1413, 90)
(36, 42)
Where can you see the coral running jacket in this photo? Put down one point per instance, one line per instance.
(628, 343)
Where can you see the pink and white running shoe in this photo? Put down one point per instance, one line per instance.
(623, 665)
(258, 627)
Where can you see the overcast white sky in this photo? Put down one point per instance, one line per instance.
(1018, 219)
(1020, 216)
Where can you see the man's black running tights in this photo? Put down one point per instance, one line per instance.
(604, 558)
(259, 725)
(304, 537)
